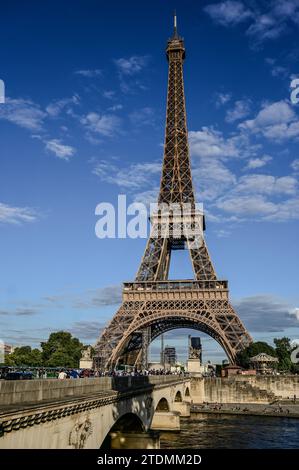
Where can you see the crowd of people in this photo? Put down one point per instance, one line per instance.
(75, 374)
(206, 406)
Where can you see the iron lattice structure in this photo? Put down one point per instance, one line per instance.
(152, 304)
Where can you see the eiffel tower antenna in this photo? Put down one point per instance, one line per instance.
(152, 304)
(175, 29)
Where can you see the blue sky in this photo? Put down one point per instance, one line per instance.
(83, 122)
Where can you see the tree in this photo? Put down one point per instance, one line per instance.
(61, 350)
(24, 356)
(243, 357)
(283, 351)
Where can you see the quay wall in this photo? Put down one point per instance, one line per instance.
(244, 389)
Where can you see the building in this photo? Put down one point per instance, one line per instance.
(263, 363)
(169, 355)
(8, 349)
(230, 370)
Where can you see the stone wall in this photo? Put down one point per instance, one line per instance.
(32, 391)
(244, 389)
(282, 385)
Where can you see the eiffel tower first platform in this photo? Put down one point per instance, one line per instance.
(152, 304)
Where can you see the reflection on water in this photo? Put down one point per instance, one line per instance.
(233, 432)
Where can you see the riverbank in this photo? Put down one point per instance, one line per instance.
(286, 410)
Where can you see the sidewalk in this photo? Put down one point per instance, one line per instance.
(289, 410)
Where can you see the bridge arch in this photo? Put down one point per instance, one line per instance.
(162, 405)
(178, 396)
(187, 392)
(129, 422)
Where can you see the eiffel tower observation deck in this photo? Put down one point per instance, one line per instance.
(153, 304)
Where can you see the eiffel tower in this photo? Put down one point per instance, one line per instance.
(152, 304)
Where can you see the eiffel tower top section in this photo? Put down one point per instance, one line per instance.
(176, 183)
(176, 43)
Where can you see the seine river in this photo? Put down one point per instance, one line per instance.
(233, 432)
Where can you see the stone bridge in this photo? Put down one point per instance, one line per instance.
(91, 413)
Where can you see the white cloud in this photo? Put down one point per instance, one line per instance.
(55, 108)
(115, 107)
(295, 165)
(23, 113)
(89, 73)
(265, 27)
(271, 114)
(131, 65)
(143, 117)
(276, 70)
(246, 205)
(210, 143)
(276, 121)
(228, 13)
(287, 8)
(109, 94)
(212, 178)
(240, 110)
(279, 71)
(16, 215)
(222, 233)
(103, 124)
(147, 197)
(132, 178)
(65, 152)
(285, 210)
(266, 184)
(281, 132)
(254, 163)
(269, 20)
(262, 197)
(222, 98)
(128, 68)
(259, 207)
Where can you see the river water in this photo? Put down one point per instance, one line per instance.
(233, 432)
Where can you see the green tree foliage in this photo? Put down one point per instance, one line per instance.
(243, 358)
(283, 351)
(61, 350)
(24, 356)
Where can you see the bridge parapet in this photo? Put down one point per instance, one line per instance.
(17, 392)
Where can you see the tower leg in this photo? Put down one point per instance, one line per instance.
(146, 334)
